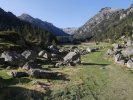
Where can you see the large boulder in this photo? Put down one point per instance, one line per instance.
(29, 55)
(13, 58)
(15, 74)
(128, 52)
(72, 57)
(130, 64)
(38, 73)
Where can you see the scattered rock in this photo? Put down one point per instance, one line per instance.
(53, 49)
(38, 73)
(130, 64)
(41, 53)
(47, 55)
(29, 55)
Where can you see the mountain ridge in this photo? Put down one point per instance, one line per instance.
(43, 24)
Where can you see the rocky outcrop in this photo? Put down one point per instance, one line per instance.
(13, 58)
(121, 55)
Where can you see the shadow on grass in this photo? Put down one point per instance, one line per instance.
(103, 65)
(14, 81)
(44, 62)
(19, 93)
(9, 90)
(61, 76)
(52, 76)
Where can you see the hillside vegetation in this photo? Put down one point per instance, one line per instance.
(108, 24)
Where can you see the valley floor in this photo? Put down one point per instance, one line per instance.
(97, 78)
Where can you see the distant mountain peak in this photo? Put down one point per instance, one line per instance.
(108, 9)
(105, 8)
(26, 15)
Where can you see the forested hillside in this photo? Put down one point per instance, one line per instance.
(30, 33)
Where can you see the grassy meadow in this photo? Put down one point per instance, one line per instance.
(97, 78)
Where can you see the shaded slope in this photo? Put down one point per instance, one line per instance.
(43, 24)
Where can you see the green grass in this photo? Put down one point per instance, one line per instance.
(98, 78)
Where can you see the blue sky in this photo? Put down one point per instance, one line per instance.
(62, 13)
